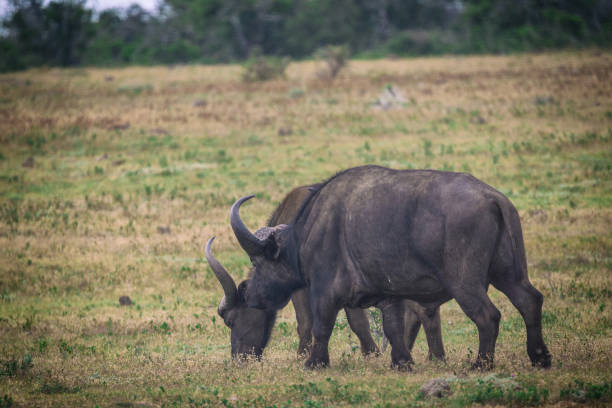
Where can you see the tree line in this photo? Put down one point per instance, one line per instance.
(68, 33)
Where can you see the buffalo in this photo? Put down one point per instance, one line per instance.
(251, 328)
(375, 236)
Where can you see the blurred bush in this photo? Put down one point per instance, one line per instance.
(262, 68)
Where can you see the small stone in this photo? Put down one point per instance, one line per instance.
(160, 131)
(437, 387)
(285, 131)
(109, 78)
(544, 100)
(122, 404)
(125, 301)
(163, 229)
(29, 162)
(200, 102)
(478, 120)
(120, 126)
(118, 162)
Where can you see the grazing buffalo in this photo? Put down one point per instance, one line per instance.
(251, 328)
(372, 235)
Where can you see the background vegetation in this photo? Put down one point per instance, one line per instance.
(112, 180)
(67, 33)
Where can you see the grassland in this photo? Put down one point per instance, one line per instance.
(112, 180)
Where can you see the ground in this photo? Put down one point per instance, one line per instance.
(112, 181)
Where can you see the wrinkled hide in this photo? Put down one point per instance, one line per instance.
(415, 314)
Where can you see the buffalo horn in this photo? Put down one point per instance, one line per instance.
(250, 243)
(228, 284)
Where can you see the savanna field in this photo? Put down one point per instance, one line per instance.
(112, 181)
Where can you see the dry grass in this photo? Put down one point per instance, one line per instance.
(118, 153)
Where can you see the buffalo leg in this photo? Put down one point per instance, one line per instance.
(303, 315)
(412, 325)
(393, 326)
(528, 300)
(466, 274)
(324, 317)
(358, 320)
(430, 319)
(477, 306)
(433, 332)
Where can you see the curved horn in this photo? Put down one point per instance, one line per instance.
(228, 284)
(249, 242)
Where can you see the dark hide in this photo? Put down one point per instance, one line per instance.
(372, 235)
(357, 317)
(250, 328)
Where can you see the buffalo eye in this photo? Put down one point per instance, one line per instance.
(228, 322)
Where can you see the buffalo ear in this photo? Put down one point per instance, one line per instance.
(241, 291)
(273, 249)
(273, 240)
(278, 240)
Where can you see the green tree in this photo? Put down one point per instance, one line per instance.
(68, 28)
(55, 34)
(506, 25)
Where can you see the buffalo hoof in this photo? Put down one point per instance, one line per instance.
(542, 359)
(482, 365)
(303, 353)
(402, 365)
(370, 351)
(315, 364)
(432, 357)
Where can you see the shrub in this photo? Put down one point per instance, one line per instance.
(10, 58)
(335, 58)
(261, 68)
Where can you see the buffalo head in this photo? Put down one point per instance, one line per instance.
(250, 328)
(274, 258)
